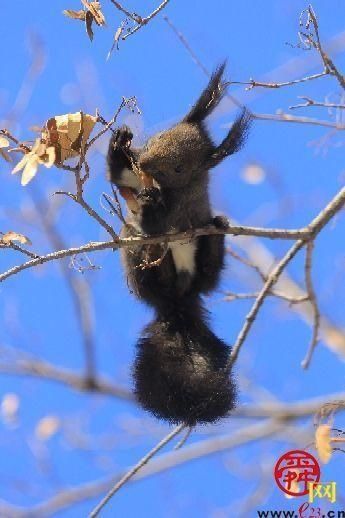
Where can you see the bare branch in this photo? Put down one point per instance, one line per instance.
(139, 20)
(271, 280)
(166, 238)
(329, 65)
(78, 286)
(315, 227)
(29, 366)
(310, 102)
(230, 296)
(161, 463)
(130, 474)
(286, 117)
(252, 83)
(313, 301)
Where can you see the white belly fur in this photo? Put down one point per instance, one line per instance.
(183, 253)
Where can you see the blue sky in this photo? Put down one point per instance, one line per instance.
(38, 314)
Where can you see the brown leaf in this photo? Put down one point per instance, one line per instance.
(323, 442)
(21, 164)
(88, 24)
(69, 133)
(75, 15)
(30, 169)
(95, 9)
(15, 236)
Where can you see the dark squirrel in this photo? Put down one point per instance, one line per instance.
(180, 371)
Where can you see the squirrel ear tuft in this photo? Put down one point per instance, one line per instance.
(209, 98)
(234, 140)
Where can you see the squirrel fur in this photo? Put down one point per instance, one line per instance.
(181, 368)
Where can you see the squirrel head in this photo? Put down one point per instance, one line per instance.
(174, 158)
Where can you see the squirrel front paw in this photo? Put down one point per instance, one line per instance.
(122, 138)
(221, 222)
(149, 196)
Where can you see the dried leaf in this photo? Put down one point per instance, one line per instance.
(47, 427)
(30, 169)
(4, 142)
(323, 442)
(21, 164)
(75, 15)
(95, 9)
(63, 137)
(51, 155)
(15, 236)
(69, 133)
(88, 24)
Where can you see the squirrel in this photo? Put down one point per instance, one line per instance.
(181, 368)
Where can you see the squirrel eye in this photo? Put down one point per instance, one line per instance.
(178, 169)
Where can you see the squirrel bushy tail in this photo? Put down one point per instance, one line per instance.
(180, 372)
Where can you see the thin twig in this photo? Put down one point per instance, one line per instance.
(230, 296)
(310, 102)
(135, 469)
(271, 280)
(184, 439)
(329, 64)
(37, 368)
(185, 43)
(19, 248)
(253, 83)
(313, 301)
(315, 227)
(160, 464)
(133, 16)
(286, 117)
(142, 21)
(78, 286)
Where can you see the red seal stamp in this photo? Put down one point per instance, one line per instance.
(294, 470)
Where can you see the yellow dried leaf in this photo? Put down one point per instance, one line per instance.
(15, 236)
(323, 442)
(95, 9)
(4, 142)
(47, 427)
(21, 164)
(48, 158)
(30, 169)
(75, 15)
(69, 133)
